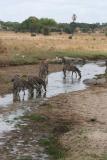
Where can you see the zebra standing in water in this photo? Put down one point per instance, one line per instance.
(36, 83)
(43, 71)
(67, 66)
(106, 66)
(19, 84)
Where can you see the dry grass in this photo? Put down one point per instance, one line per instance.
(22, 48)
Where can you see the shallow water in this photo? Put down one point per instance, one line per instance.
(8, 121)
(57, 85)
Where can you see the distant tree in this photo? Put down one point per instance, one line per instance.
(73, 24)
(12, 26)
(35, 25)
(65, 27)
(30, 24)
(74, 17)
(46, 31)
(93, 27)
(48, 22)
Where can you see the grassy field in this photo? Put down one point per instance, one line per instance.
(21, 48)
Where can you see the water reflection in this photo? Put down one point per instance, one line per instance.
(71, 80)
(28, 96)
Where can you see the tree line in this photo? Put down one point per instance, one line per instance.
(46, 25)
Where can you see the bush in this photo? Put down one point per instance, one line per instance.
(46, 31)
(70, 37)
(33, 34)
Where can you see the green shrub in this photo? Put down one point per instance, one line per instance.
(46, 31)
(53, 148)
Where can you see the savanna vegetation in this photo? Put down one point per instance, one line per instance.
(22, 48)
(35, 39)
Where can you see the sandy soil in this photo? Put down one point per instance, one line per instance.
(86, 111)
(78, 119)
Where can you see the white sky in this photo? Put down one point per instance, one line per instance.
(90, 11)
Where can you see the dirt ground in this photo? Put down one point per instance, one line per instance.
(85, 113)
(78, 119)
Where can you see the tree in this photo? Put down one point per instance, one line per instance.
(48, 22)
(74, 18)
(73, 24)
(30, 24)
(46, 31)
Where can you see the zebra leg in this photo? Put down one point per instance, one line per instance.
(46, 80)
(106, 70)
(64, 72)
(15, 96)
(76, 74)
(72, 74)
(24, 92)
(38, 89)
(23, 97)
(44, 95)
(31, 92)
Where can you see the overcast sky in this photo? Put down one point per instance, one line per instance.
(61, 10)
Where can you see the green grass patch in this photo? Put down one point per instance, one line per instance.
(104, 157)
(24, 158)
(33, 57)
(23, 59)
(53, 148)
(36, 117)
(80, 54)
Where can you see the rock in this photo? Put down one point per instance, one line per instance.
(90, 81)
(74, 60)
(101, 81)
(93, 81)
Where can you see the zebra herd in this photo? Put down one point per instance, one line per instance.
(30, 82)
(39, 83)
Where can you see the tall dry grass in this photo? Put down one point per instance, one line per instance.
(24, 49)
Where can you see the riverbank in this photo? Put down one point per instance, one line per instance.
(70, 126)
